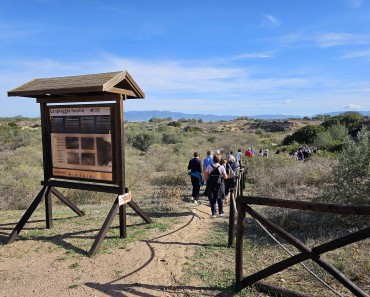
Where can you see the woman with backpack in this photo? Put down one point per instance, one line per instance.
(231, 171)
(214, 176)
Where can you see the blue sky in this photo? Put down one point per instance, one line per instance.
(238, 57)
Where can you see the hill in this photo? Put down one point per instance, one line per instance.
(140, 116)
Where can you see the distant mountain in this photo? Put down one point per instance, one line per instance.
(139, 116)
(147, 115)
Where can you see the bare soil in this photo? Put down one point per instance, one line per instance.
(51, 262)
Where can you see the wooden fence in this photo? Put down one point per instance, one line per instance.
(241, 205)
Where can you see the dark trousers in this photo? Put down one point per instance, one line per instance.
(196, 187)
(217, 198)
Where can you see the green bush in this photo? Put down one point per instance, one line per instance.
(351, 176)
(305, 135)
(143, 141)
(174, 124)
(325, 141)
(132, 130)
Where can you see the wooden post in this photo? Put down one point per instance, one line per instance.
(48, 209)
(244, 177)
(120, 144)
(232, 216)
(45, 133)
(123, 219)
(239, 246)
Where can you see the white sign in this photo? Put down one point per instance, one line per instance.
(125, 198)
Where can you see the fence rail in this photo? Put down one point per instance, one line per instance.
(243, 207)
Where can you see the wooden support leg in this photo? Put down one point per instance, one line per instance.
(66, 201)
(104, 229)
(26, 216)
(140, 212)
(48, 209)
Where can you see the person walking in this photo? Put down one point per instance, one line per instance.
(249, 153)
(239, 157)
(232, 172)
(195, 167)
(214, 176)
(207, 160)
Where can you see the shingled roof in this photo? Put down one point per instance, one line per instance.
(82, 85)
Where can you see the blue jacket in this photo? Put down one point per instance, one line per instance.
(207, 161)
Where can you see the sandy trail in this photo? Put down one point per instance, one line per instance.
(152, 267)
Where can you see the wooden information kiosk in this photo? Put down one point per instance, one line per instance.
(83, 142)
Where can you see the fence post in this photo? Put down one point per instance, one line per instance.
(232, 216)
(239, 246)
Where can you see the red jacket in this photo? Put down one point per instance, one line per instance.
(248, 153)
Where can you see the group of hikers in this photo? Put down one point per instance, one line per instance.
(304, 153)
(218, 174)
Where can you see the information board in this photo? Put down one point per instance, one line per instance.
(81, 141)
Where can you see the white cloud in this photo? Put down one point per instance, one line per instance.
(352, 107)
(269, 20)
(335, 39)
(261, 55)
(207, 86)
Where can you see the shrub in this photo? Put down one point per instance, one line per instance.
(193, 129)
(13, 136)
(352, 173)
(143, 141)
(132, 130)
(306, 135)
(174, 124)
(171, 138)
(325, 141)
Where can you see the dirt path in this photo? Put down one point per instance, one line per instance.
(152, 267)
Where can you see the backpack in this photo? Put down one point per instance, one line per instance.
(214, 180)
(229, 170)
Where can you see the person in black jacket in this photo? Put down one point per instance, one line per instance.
(195, 167)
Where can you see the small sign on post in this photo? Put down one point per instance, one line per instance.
(125, 198)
